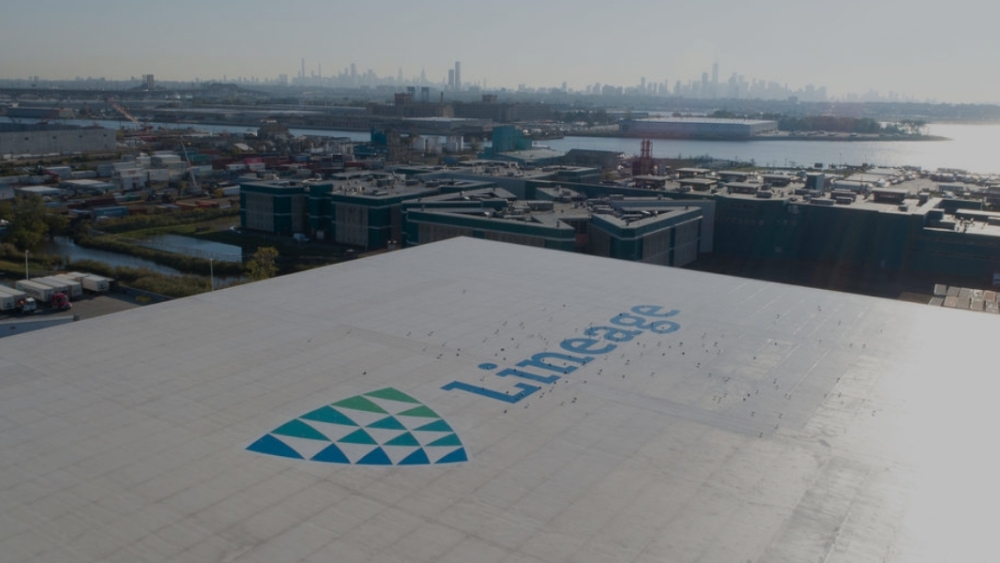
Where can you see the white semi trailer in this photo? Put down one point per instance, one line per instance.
(75, 287)
(40, 291)
(59, 285)
(90, 282)
(15, 300)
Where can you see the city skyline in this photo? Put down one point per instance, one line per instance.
(737, 86)
(857, 48)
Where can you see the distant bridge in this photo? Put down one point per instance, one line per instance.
(128, 94)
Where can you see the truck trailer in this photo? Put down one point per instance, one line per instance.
(59, 299)
(14, 300)
(90, 282)
(40, 291)
(75, 287)
(8, 301)
(97, 284)
(62, 286)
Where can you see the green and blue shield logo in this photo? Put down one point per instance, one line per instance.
(384, 427)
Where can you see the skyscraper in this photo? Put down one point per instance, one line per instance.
(458, 76)
(715, 80)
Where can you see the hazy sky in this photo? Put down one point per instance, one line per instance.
(945, 51)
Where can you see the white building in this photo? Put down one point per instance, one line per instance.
(697, 128)
(473, 401)
(21, 139)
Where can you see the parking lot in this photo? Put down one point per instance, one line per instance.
(90, 306)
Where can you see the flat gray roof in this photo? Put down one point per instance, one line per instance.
(472, 401)
(728, 121)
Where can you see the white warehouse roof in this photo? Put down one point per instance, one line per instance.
(470, 401)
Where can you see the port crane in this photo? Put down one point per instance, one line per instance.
(194, 182)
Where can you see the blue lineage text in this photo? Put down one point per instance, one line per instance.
(549, 367)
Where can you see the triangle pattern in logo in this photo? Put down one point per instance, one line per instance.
(386, 427)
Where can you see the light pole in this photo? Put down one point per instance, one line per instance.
(26, 276)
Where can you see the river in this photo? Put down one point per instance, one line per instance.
(64, 246)
(970, 147)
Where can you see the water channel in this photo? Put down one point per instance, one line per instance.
(179, 244)
(197, 248)
(64, 246)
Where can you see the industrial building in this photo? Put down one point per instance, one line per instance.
(509, 144)
(18, 139)
(667, 239)
(599, 159)
(358, 208)
(514, 224)
(471, 402)
(500, 112)
(696, 128)
(536, 156)
(890, 233)
(506, 138)
(504, 173)
(276, 207)
(877, 232)
(649, 230)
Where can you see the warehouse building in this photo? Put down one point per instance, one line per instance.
(514, 225)
(665, 237)
(697, 128)
(476, 402)
(885, 234)
(17, 139)
(357, 208)
(649, 230)
(274, 207)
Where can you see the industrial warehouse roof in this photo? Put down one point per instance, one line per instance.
(715, 120)
(469, 401)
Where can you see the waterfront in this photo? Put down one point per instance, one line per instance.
(179, 244)
(969, 147)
